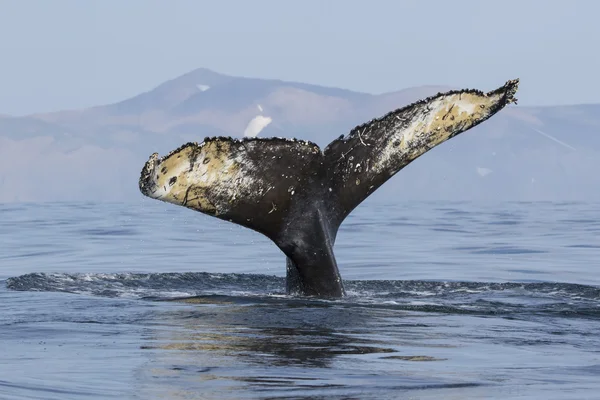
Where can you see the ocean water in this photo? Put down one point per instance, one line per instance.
(445, 300)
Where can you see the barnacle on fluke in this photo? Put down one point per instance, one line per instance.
(297, 194)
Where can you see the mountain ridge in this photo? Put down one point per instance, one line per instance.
(555, 146)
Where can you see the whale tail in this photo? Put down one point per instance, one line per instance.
(298, 195)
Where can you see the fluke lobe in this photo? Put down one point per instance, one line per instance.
(297, 194)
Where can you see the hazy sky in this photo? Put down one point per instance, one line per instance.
(59, 54)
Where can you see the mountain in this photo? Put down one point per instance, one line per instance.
(523, 153)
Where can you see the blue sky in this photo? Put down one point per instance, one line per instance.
(64, 54)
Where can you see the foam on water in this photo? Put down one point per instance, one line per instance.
(428, 296)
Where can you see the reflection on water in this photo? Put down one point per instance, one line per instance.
(311, 348)
(275, 335)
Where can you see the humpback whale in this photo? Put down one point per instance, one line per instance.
(297, 194)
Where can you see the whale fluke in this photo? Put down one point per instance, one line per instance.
(298, 195)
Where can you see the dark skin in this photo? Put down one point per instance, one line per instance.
(296, 194)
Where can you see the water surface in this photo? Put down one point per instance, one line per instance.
(148, 300)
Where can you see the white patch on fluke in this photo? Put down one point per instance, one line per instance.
(256, 125)
(203, 88)
(165, 189)
(465, 106)
(225, 176)
(425, 124)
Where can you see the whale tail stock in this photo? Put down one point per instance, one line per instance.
(298, 195)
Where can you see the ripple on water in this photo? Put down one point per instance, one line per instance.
(119, 309)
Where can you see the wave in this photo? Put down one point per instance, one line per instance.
(152, 285)
(448, 297)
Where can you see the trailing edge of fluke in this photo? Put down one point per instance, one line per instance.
(297, 194)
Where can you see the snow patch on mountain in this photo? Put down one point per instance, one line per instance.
(256, 125)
